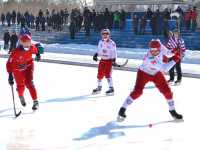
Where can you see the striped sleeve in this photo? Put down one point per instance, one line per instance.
(170, 44)
(182, 45)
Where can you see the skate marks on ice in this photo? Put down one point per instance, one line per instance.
(111, 129)
(8, 113)
(75, 98)
(153, 86)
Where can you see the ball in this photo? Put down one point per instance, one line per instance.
(150, 125)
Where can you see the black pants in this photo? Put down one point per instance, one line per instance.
(177, 66)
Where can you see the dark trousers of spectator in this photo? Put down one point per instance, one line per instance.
(72, 34)
(22, 25)
(122, 24)
(9, 23)
(177, 66)
(12, 46)
(194, 25)
(87, 31)
(3, 23)
(154, 30)
(32, 25)
(187, 25)
(37, 27)
(142, 30)
(43, 26)
(116, 24)
(28, 24)
(6, 45)
(18, 21)
(136, 30)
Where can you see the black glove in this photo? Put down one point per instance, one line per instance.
(95, 57)
(114, 63)
(38, 57)
(10, 79)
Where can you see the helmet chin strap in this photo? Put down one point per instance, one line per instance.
(105, 39)
(26, 48)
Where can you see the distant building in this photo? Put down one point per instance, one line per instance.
(130, 4)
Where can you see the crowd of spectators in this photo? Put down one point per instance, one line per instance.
(56, 20)
(159, 21)
(90, 19)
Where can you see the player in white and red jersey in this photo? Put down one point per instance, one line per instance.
(107, 52)
(152, 70)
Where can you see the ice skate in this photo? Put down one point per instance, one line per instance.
(121, 115)
(22, 100)
(175, 115)
(170, 81)
(97, 90)
(35, 105)
(177, 82)
(110, 92)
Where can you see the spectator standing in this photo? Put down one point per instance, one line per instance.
(143, 23)
(194, 18)
(13, 41)
(135, 24)
(3, 18)
(6, 39)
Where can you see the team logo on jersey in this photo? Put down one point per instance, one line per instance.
(108, 47)
(104, 51)
(154, 62)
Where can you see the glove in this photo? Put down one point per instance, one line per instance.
(95, 57)
(38, 57)
(40, 48)
(114, 63)
(10, 79)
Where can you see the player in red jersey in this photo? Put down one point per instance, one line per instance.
(20, 67)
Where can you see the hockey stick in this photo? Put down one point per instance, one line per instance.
(13, 97)
(122, 65)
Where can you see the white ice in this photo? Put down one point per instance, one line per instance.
(70, 118)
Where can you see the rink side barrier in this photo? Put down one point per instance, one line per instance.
(65, 62)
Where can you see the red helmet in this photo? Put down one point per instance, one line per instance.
(25, 38)
(154, 45)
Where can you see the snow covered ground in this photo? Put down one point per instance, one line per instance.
(132, 53)
(70, 118)
(192, 57)
(81, 53)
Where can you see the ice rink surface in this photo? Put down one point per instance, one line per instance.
(70, 118)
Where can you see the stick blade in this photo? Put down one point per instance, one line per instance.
(17, 114)
(125, 63)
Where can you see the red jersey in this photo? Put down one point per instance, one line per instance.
(20, 59)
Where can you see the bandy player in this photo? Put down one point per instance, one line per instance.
(107, 52)
(151, 70)
(20, 67)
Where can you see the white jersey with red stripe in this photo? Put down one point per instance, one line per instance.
(107, 50)
(153, 64)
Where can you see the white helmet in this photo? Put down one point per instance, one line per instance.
(105, 31)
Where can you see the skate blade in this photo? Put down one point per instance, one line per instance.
(120, 119)
(95, 93)
(170, 83)
(177, 120)
(35, 109)
(176, 84)
(109, 94)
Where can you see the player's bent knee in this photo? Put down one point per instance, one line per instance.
(168, 95)
(135, 94)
